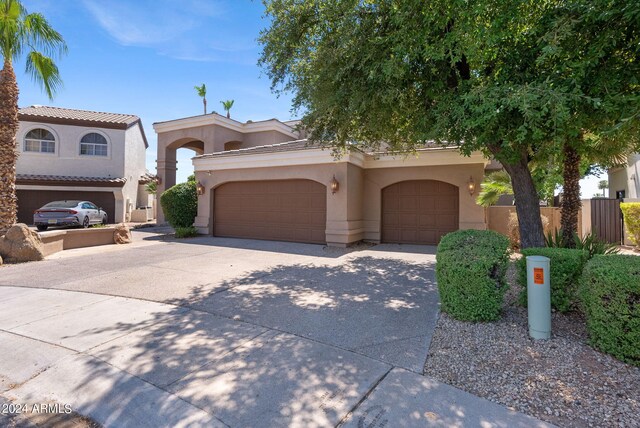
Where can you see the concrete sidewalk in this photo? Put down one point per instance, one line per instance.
(128, 362)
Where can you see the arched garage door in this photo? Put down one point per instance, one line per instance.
(279, 210)
(419, 212)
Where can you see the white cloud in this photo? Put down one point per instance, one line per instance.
(181, 30)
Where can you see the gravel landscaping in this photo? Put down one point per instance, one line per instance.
(563, 380)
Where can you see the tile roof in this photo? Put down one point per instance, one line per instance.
(147, 177)
(304, 144)
(42, 113)
(288, 146)
(36, 177)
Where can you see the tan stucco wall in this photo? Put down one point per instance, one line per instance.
(337, 224)
(471, 214)
(354, 212)
(203, 139)
(254, 139)
(498, 218)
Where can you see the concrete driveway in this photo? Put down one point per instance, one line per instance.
(224, 332)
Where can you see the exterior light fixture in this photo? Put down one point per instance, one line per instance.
(471, 185)
(335, 185)
(200, 189)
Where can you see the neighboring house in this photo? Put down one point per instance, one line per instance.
(77, 154)
(624, 182)
(262, 180)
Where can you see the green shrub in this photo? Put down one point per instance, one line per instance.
(631, 213)
(590, 243)
(186, 232)
(470, 269)
(180, 204)
(610, 295)
(566, 269)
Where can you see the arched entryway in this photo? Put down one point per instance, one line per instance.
(419, 211)
(278, 210)
(167, 163)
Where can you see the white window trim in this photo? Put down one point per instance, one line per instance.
(97, 157)
(56, 141)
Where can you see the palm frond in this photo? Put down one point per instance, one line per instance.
(492, 187)
(44, 71)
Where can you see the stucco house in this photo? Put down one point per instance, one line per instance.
(624, 182)
(263, 180)
(77, 154)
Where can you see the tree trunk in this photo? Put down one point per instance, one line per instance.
(204, 101)
(228, 114)
(526, 200)
(570, 195)
(8, 153)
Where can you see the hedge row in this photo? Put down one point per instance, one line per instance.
(180, 204)
(565, 271)
(610, 295)
(470, 269)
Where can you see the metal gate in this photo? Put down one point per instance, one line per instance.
(606, 220)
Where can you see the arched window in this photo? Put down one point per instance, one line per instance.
(93, 144)
(39, 141)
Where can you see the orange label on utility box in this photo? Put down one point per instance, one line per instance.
(538, 276)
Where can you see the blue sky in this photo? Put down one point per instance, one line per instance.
(144, 57)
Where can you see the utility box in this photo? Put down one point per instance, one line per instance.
(539, 297)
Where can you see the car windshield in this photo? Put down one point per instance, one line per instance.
(62, 204)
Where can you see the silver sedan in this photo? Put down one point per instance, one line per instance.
(68, 213)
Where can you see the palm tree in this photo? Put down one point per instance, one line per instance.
(603, 185)
(30, 34)
(493, 186)
(202, 92)
(227, 106)
(605, 150)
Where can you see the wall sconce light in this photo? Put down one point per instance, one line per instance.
(200, 189)
(335, 185)
(158, 180)
(471, 185)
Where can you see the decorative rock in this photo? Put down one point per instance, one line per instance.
(122, 234)
(21, 244)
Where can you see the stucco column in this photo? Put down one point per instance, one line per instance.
(343, 219)
(166, 170)
(203, 220)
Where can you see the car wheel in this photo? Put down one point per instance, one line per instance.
(42, 227)
(85, 222)
(104, 219)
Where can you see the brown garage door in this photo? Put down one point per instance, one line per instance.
(280, 210)
(419, 212)
(31, 200)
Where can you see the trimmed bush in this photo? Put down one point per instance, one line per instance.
(566, 270)
(470, 269)
(186, 232)
(180, 204)
(631, 213)
(610, 295)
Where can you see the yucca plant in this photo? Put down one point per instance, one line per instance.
(589, 243)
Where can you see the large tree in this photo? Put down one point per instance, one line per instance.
(28, 34)
(591, 60)
(408, 71)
